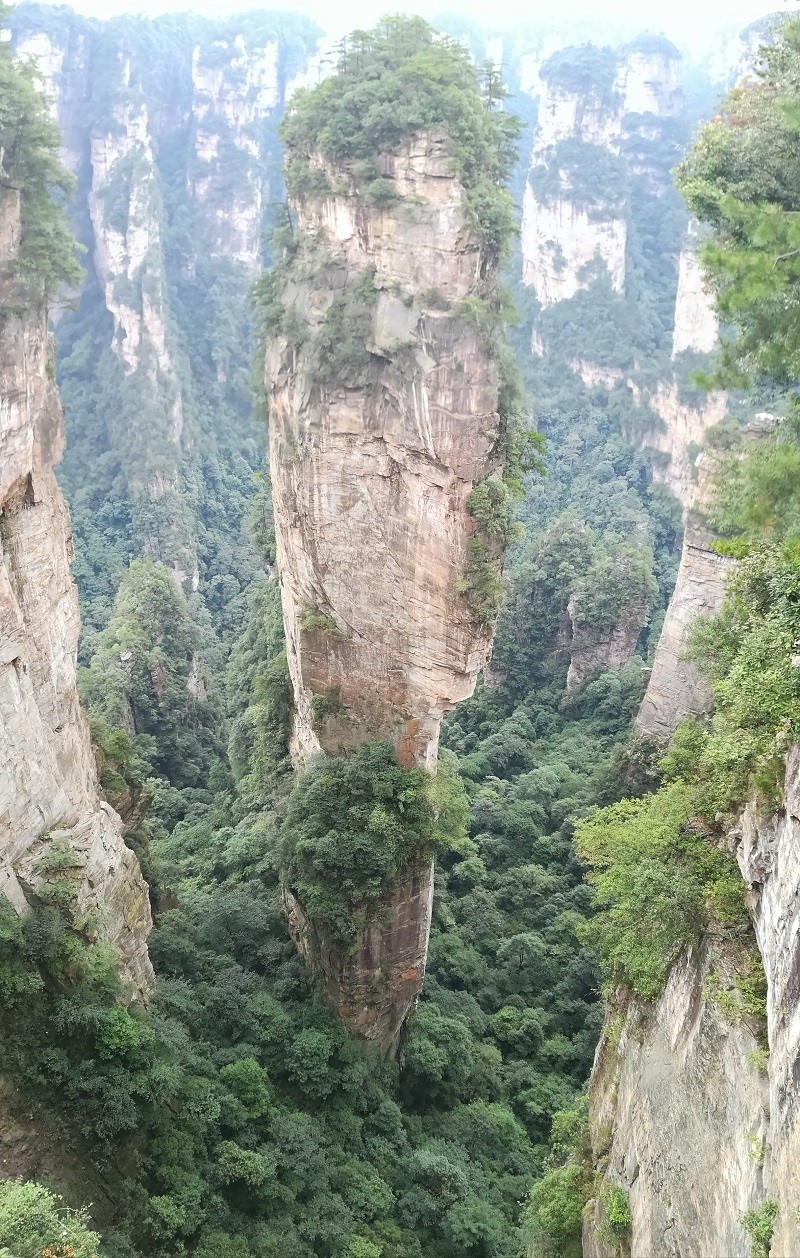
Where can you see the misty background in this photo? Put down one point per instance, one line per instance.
(695, 27)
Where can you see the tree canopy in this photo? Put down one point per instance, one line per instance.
(29, 160)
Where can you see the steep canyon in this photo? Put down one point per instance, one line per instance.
(301, 721)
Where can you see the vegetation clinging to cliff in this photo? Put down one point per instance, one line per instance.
(354, 823)
(29, 146)
(743, 178)
(394, 82)
(35, 1224)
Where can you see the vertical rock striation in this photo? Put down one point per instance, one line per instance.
(48, 783)
(676, 1109)
(696, 326)
(675, 688)
(371, 474)
(687, 1114)
(236, 93)
(596, 107)
(171, 129)
(126, 214)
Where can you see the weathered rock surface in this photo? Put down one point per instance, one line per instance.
(696, 324)
(679, 436)
(560, 240)
(376, 987)
(594, 649)
(676, 688)
(204, 116)
(565, 238)
(48, 787)
(676, 1108)
(768, 852)
(370, 484)
(236, 89)
(686, 1113)
(62, 75)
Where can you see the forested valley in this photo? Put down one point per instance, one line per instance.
(232, 1113)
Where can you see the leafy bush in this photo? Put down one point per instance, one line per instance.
(340, 353)
(35, 1224)
(618, 584)
(760, 1224)
(481, 583)
(554, 1217)
(353, 824)
(616, 1212)
(658, 881)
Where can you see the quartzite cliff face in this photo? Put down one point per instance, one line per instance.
(687, 1114)
(171, 129)
(589, 119)
(48, 781)
(371, 475)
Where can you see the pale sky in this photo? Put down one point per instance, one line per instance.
(691, 23)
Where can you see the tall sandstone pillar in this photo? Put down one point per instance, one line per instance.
(383, 416)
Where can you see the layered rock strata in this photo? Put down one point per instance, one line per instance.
(49, 798)
(688, 1115)
(372, 469)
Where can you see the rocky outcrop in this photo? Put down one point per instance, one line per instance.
(677, 1107)
(560, 241)
(62, 75)
(594, 105)
(679, 435)
(675, 688)
(768, 851)
(172, 131)
(372, 470)
(696, 326)
(126, 215)
(375, 987)
(53, 825)
(235, 88)
(688, 1115)
(596, 649)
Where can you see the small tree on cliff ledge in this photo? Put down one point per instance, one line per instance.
(29, 144)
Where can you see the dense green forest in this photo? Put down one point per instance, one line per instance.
(235, 1118)
(248, 1121)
